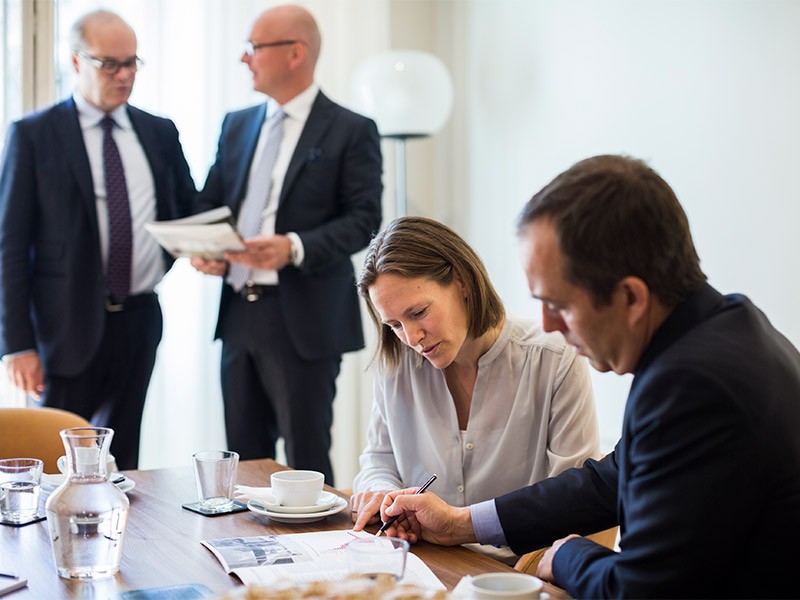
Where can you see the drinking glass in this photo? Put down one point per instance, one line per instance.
(20, 484)
(215, 475)
(373, 557)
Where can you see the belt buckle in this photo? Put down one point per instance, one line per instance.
(251, 292)
(111, 307)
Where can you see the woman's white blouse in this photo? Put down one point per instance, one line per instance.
(532, 416)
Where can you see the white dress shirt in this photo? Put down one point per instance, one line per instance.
(146, 259)
(297, 110)
(532, 416)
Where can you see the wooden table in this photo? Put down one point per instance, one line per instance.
(162, 542)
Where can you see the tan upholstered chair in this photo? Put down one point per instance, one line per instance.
(33, 433)
(528, 563)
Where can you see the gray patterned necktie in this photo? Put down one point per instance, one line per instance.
(258, 192)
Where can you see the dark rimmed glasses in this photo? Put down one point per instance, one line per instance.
(250, 48)
(112, 66)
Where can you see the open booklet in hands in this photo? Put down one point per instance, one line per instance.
(302, 558)
(208, 234)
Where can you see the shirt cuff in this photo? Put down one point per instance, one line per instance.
(486, 523)
(298, 253)
(20, 353)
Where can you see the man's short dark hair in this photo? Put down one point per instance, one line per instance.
(615, 217)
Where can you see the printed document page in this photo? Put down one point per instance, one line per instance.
(303, 557)
(209, 234)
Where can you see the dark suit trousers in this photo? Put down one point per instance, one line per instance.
(111, 391)
(270, 391)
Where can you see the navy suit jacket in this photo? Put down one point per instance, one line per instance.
(705, 480)
(331, 197)
(52, 284)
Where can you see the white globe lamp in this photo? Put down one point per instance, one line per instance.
(409, 94)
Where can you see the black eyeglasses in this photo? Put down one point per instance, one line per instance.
(250, 48)
(111, 66)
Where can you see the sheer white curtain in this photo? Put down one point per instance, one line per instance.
(192, 74)
(10, 108)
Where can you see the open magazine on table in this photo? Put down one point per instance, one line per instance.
(302, 557)
(208, 234)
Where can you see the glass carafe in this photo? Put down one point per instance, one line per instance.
(87, 513)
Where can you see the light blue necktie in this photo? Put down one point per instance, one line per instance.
(258, 191)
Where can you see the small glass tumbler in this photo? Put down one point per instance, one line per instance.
(374, 557)
(215, 475)
(20, 485)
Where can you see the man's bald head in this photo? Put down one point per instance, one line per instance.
(286, 45)
(298, 24)
(99, 21)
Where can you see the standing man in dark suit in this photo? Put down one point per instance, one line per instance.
(705, 481)
(79, 322)
(303, 175)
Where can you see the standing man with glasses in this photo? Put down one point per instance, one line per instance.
(303, 175)
(79, 321)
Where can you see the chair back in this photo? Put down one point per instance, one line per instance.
(528, 563)
(33, 433)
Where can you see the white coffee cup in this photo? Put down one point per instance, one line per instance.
(87, 456)
(519, 586)
(297, 488)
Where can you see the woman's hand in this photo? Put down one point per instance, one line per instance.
(365, 508)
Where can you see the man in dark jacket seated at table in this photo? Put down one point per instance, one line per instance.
(705, 481)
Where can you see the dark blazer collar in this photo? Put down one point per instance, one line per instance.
(142, 124)
(698, 307)
(319, 119)
(68, 130)
(68, 127)
(249, 132)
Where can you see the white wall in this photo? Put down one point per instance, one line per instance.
(707, 91)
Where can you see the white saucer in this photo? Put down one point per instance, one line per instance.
(310, 517)
(324, 502)
(51, 481)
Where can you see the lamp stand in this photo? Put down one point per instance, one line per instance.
(401, 194)
(401, 200)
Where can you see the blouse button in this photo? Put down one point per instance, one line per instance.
(470, 446)
(460, 488)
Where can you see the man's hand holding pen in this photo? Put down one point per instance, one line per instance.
(421, 489)
(412, 515)
(426, 517)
